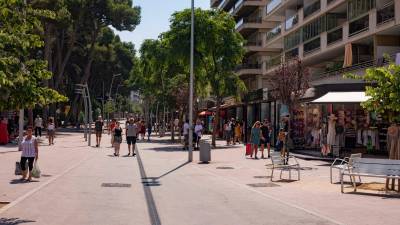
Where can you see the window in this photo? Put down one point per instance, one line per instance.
(335, 35)
(274, 32)
(308, 10)
(314, 28)
(358, 26)
(292, 40)
(385, 14)
(356, 8)
(312, 45)
(291, 54)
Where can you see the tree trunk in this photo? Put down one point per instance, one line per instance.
(216, 122)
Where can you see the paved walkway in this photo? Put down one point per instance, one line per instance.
(159, 187)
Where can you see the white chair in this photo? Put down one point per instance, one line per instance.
(344, 164)
(284, 163)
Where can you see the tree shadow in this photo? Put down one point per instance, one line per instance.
(388, 195)
(14, 221)
(19, 181)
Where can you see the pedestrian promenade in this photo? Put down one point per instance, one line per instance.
(87, 185)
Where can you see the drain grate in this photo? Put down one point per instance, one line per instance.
(2, 204)
(119, 185)
(257, 185)
(225, 168)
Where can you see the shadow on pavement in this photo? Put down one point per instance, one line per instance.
(14, 221)
(151, 205)
(389, 195)
(19, 181)
(167, 149)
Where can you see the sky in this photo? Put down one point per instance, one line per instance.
(155, 17)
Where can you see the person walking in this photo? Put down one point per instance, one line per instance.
(38, 126)
(131, 136)
(238, 133)
(266, 138)
(186, 134)
(111, 130)
(198, 130)
(255, 137)
(98, 126)
(30, 152)
(143, 129)
(149, 130)
(51, 130)
(117, 140)
(228, 129)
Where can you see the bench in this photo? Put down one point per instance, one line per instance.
(343, 164)
(284, 163)
(380, 168)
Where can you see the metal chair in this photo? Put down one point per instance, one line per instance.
(344, 164)
(284, 163)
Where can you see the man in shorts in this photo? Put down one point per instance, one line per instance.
(131, 136)
(98, 127)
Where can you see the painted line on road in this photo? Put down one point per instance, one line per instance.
(270, 196)
(51, 180)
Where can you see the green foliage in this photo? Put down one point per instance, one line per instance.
(383, 88)
(109, 107)
(21, 73)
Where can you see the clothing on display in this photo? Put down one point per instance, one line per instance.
(393, 142)
(331, 139)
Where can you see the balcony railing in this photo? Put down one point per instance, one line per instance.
(273, 61)
(254, 43)
(238, 3)
(245, 66)
(307, 11)
(359, 26)
(248, 20)
(371, 63)
(335, 35)
(272, 5)
(291, 21)
(312, 45)
(385, 14)
(274, 32)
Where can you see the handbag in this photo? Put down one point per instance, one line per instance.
(248, 149)
(36, 170)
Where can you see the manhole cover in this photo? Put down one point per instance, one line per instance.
(262, 177)
(2, 204)
(256, 185)
(120, 185)
(225, 168)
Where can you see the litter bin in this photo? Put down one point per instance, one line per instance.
(205, 151)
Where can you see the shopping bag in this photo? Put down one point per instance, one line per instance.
(36, 170)
(18, 170)
(248, 149)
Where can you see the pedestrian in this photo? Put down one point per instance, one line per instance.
(255, 137)
(266, 138)
(227, 129)
(51, 130)
(98, 127)
(232, 131)
(117, 140)
(38, 126)
(111, 130)
(131, 136)
(149, 129)
(4, 134)
(30, 152)
(186, 134)
(198, 130)
(238, 133)
(143, 129)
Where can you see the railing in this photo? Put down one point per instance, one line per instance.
(245, 66)
(272, 5)
(371, 63)
(238, 3)
(291, 21)
(254, 43)
(248, 20)
(239, 23)
(335, 35)
(385, 14)
(273, 61)
(274, 32)
(359, 26)
(312, 45)
(221, 3)
(307, 11)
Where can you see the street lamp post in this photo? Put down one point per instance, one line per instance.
(190, 158)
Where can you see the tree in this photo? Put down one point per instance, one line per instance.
(21, 73)
(383, 88)
(218, 50)
(289, 83)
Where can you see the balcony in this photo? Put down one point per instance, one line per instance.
(273, 62)
(249, 25)
(291, 21)
(385, 14)
(246, 7)
(311, 9)
(273, 5)
(274, 33)
(335, 35)
(249, 69)
(312, 45)
(359, 26)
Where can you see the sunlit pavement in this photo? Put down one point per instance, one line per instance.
(87, 185)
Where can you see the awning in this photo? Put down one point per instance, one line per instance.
(342, 97)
